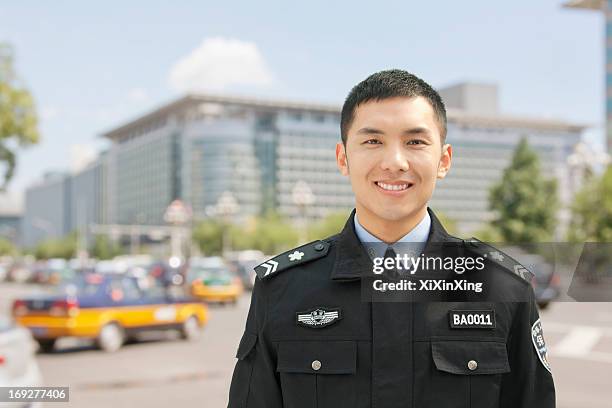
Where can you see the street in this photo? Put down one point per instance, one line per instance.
(163, 370)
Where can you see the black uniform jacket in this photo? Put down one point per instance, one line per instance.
(311, 341)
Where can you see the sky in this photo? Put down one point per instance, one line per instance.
(92, 66)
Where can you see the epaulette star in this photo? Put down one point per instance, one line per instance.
(293, 257)
(500, 258)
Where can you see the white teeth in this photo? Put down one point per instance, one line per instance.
(392, 187)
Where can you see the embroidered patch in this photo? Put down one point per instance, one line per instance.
(537, 338)
(472, 319)
(296, 256)
(318, 317)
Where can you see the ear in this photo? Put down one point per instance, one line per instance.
(445, 161)
(341, 159)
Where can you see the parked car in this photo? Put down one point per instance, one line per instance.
(20, 271)
(211, 280)
(53, 271)
(243, 264)
(108, 308)
(18, 366)
(3, 272)
(546, 282)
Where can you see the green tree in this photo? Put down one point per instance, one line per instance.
(330, 225)
(57, 248)
(525, 203)
(209, 236)
(104, 248)
(450, 225)
(272, 234)
(18, 122)
(7, 247)
(592, 210)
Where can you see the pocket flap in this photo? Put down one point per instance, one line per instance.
(247, 342)
(470, 357)
(317, 357)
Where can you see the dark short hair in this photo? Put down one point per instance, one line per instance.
(390, 84)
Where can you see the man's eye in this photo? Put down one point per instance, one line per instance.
(416, 142)
(372, 141)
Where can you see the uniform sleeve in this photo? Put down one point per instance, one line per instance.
(255, 383)
(530, 382)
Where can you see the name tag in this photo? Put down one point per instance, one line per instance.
(472, 319)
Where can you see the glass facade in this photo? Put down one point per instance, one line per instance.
(199, 147)
(145, 178)
(480, 155)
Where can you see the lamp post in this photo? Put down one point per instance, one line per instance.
(177, 214)
(302, 197)
(226, 207)
(582, 161)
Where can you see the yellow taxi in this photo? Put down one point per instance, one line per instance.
(108, 308)
(211, 281)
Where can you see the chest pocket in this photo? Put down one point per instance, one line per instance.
(318, 374)
(469, 370)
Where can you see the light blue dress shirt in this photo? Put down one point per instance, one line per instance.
(417, 238)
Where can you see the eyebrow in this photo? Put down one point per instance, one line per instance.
(419, 130)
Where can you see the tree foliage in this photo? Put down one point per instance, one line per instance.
(103, 248)
(330, 225)
(7, 247)
(208, 235)
(592, 210)
(18, 122)
(449, 224)
(525, 203)
(57, 248)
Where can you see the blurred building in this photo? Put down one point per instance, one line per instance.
(48, 209)
(483, 142)
(200, 146)
(64, 202)
(606, 7)
(11, 210)
(88, 195)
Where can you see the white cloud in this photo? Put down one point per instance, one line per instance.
(218, 63)
(80, 156)
(138, 95)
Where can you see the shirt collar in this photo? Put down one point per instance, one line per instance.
(352, 261)
(414, 241)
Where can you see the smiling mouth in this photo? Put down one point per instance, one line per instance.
(394, 187)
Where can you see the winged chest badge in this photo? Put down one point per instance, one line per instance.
(318, 317)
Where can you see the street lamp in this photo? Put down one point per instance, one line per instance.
(582, 161)
(302, 197)
(226, 207)
(177, 214)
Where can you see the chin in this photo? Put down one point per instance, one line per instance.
(396, 214)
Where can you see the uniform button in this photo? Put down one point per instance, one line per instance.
(316, 365)
(319, 247)
(472, 365)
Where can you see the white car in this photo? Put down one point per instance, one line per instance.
(18, 366)
(3, 272)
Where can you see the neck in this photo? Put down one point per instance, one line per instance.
(389, 231)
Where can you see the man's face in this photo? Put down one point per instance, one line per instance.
(393, 156)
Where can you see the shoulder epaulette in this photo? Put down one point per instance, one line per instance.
(500, 258)
(293, 257)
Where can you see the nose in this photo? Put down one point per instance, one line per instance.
(395, 159)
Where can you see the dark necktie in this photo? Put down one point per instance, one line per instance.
(391, 273)
(392, 366)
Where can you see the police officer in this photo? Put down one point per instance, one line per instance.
(313, 340)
